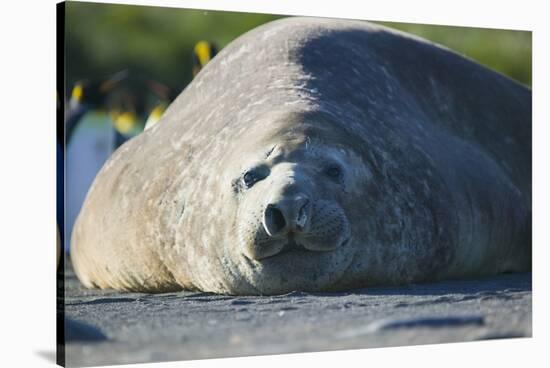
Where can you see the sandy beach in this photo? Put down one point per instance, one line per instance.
(109, 327)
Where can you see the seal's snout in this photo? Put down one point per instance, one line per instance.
(286, 215)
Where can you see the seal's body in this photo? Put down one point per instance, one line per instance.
(317, 154)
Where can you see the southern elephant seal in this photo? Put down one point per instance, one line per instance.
(317, 154)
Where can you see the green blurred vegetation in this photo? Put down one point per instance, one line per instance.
(157, 42)
(104, 38)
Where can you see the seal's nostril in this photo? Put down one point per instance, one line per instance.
(274, 220)
(301, 218)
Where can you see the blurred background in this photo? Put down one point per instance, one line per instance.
(101, 38)
(124, 64)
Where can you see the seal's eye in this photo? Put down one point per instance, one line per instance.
(334, 172)
(250, 178)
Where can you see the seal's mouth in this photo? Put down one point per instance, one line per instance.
(294, 247)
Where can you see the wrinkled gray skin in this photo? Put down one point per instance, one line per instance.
(373, 158)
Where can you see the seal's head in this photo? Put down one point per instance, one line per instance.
(289, 227)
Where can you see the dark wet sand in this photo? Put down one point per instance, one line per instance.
(136, 328)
